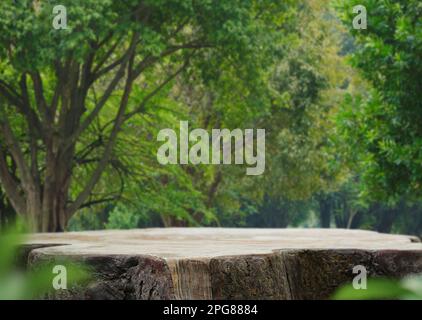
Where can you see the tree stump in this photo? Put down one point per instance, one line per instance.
(215, 263)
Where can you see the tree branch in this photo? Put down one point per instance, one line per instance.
(110, 144)
(39, 96)
(142, 105)
(15, 150)
(10, 94)
(11, 186)
(99, 201)
(104, 98)
(33, 121)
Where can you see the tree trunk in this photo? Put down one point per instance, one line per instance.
(55, 203)
(386, 220)
(223, 264)
(325, 211)
(7, 213)
(385, 217)
(54, 217)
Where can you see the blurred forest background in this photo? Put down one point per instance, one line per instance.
(81, 108)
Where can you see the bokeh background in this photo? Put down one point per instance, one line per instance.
(80, 109)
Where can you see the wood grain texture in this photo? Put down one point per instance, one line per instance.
(211, 263)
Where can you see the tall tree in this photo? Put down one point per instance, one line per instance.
(55, 84)
(383, 126)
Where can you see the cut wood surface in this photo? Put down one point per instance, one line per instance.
(217, 263)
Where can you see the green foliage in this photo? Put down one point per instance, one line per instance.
(292, 97)
(72, 97)
(16, 283)
(348, 142)
(122, 218)
(384, 124)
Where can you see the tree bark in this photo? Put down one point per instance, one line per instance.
(45, 157)
(325, 208)
(218, 263)
(7, 213)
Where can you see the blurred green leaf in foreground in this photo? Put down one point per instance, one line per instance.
(409, 288)
(16, 283)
